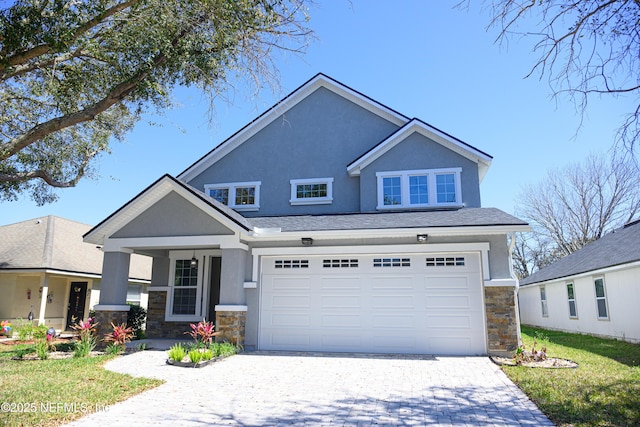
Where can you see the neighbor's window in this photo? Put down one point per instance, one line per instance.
(601, 298)
(314, 191)
(419, 188)
(236, 195)
(543, 301)
(185, 288)
(572, 300)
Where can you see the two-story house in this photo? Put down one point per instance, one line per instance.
(329, 223)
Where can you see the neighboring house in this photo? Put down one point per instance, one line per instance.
(47, 270)
(329, 223)
(595, 290)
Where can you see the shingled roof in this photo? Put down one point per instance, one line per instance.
(54, 243)
(619, 247)
(468, 217)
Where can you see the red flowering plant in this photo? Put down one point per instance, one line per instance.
(86, 337)
(119, 338)
(202, 333)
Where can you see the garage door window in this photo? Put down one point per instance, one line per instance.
(339, 263)
(445, 262)
(291, 263)
(391, 262)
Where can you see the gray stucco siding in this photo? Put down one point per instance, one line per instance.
(172, 216)
(317, 138)
(418, 152)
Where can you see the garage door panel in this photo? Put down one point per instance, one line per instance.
(400, 306)
(449, 283)
(345, 320)
(301, 283)
(286, 320)
(289, 302)
(446, 322)
(347, 301)
(393, 302)
(394, 321)
(349, 283)
(448, 301)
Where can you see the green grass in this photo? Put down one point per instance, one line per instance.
(603, 391)
(58, 391)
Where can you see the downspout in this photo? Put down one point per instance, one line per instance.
(516, 288)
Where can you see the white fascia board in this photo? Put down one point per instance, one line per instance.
(386, 232)
(279, 109)
(598, 272)
(143, 202)
(478, 157)
(173, 242)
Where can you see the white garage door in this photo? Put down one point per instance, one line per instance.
(413, 303)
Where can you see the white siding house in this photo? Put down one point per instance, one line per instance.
(595, 290)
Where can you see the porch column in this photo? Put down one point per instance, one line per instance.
(112, 306)
(44, 284)
(231, 313)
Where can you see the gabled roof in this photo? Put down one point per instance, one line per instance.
(318, 81)
(152, 194)
(54, 243)
(619, 247)
(418, 126)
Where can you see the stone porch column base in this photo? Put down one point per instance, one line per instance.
(230, 323)
(107, 314)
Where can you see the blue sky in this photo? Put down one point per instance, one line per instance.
(425, 59)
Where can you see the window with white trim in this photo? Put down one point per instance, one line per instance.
(543, 301)
(188, 293)
(571, 295)
(313, 191)
(237, 195)
(419, 188)
(185, 288)
(601, 298)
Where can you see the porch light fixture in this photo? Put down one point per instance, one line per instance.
(307, 241)
(422, 238)
(194, 260)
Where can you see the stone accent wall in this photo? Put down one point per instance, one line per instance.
(157, 327)
(502, 323)
(231, 326)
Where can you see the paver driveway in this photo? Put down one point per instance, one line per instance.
(266, 389)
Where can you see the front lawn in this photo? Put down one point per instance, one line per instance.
(603, 391)
(53, 392)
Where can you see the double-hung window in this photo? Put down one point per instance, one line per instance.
(543, 301)
(188, 286)
(601, 298)
(419, 188)
(314, 191)
(573, 311)
(237, 195)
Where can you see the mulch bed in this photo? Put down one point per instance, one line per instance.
(549, 363)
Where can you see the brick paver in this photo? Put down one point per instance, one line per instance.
(278, 389)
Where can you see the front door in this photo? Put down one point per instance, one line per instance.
(75, 308)
(214, 287)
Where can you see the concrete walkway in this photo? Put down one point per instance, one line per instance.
(279, 389)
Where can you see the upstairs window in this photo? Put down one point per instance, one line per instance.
(314, 191)
(237, 195)
(419, 188)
